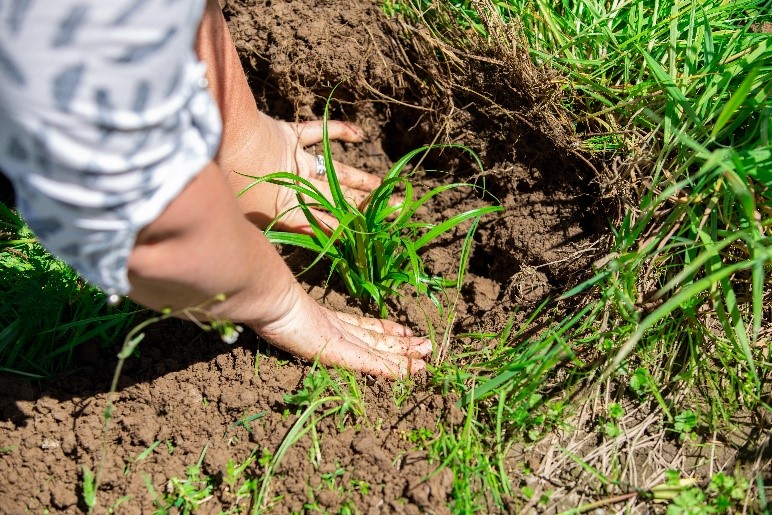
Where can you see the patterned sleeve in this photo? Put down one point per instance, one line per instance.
(104, 118)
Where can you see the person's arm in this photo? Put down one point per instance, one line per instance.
(256, 144)
(202, 246)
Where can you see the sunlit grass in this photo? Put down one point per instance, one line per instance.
(686, 86)
(376, 247)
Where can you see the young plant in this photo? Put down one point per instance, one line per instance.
(375, 248)
(188, 494)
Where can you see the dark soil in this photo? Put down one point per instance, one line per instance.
(187, 389)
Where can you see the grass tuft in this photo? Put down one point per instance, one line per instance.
(375, 248)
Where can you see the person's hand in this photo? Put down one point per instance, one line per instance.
(378, 347)
(355, 184)
(279, 146)
(255, 144)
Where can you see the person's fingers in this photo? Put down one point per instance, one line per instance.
(310, 133)
(354, 196)
(313, 332)
(413, 346)
(371, 361)
(349, 177)
(296, 221)
(410, 346)
(355, 178)
(376, 324)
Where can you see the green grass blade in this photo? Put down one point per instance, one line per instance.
(453, 222)
(735, 101)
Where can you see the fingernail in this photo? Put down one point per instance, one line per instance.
(408, 331)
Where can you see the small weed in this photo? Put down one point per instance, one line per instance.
(610, 422)
(360, 486)
(329, 478)
(266, 457)
(420, 436)
(246, 421)
(89, 488)
(345, 489)
(186, 495)
(685, 423)
(723, 492)
(238, 483)
(401, 390)
(141, 456)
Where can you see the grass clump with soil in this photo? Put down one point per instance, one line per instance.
(375, 248)
(671, 103)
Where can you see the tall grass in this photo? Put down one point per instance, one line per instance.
(689, 267)
(681, 89)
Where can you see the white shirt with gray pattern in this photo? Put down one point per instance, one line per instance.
(104, 118)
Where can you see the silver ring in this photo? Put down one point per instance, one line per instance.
(321, 168)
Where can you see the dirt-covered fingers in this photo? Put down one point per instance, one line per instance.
(376, 324)
(310, 133)
(371, 361)
(412, 346)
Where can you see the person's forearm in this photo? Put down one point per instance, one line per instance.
(249, 136)
(201, 246)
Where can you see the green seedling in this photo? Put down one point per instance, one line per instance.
(89, 488)
(361, 486)
(246, 421)
(240, 484)
(186, 495)
(329, 478)
(610, 422)
(420, 435)
(141, 456)
(375, 248)
(685, 423)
